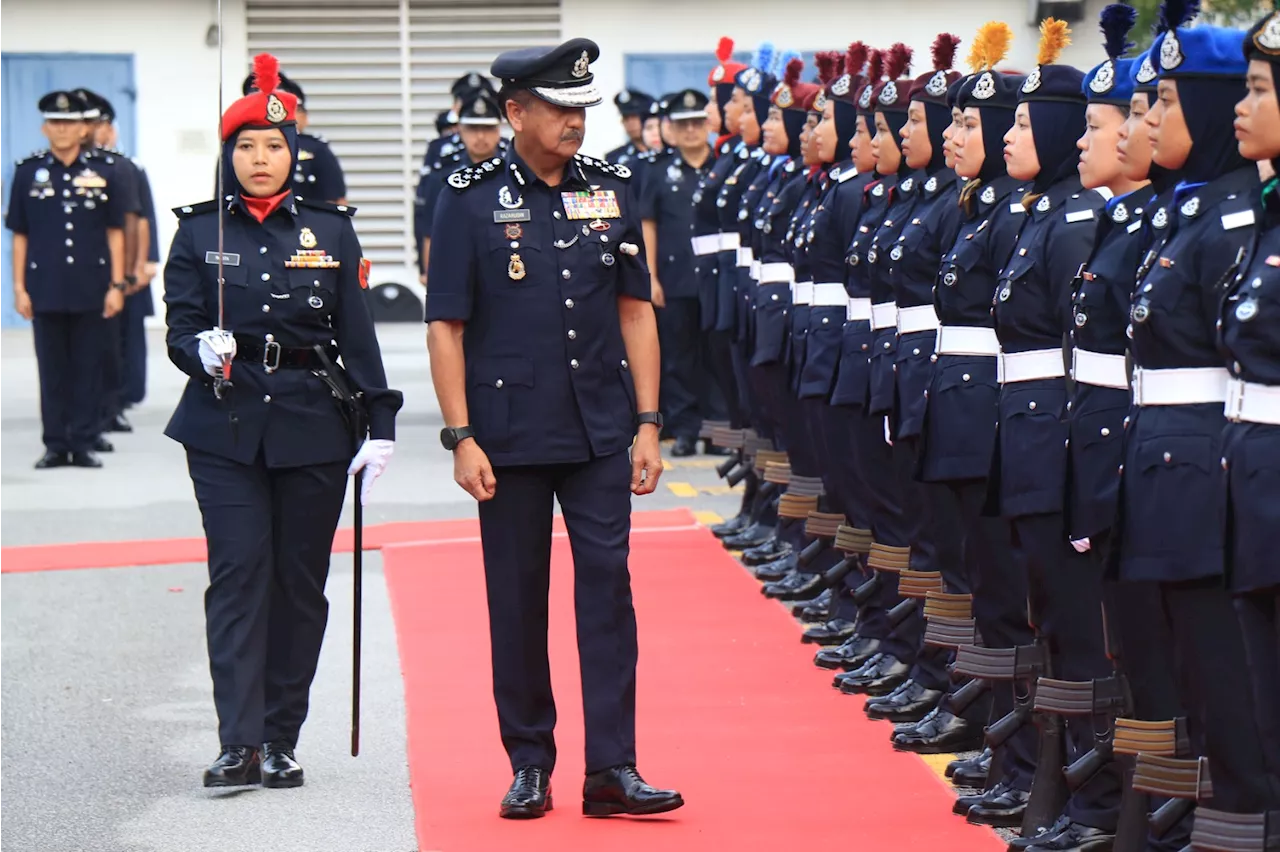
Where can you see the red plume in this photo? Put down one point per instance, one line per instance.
(266, 73)
(724, 50)
(875, 66)
(794, 69)
(840, 66)
(899, 61)
(826, 62)
(944, 51)
(855, 59)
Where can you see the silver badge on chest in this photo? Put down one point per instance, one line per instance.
(988, 195)
(315, 301)
(1247, 310)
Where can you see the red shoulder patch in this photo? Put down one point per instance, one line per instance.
(365, 266)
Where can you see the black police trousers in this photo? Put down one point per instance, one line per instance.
(515, 529)
(111, 402)
(69, 349)
(684, 378)
(270, 532)
(135, 347)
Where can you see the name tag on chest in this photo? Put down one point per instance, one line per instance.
(228, 259)
(601, 204)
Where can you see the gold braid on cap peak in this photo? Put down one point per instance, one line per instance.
(1054, 36)
(990, 46)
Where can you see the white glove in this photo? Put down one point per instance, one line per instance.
(372, 459)
(888, 437)
(1082, 545)
(214, 344)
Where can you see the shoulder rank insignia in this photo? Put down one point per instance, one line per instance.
(466, 177)
(316, 204)
(195, 209)
(608, 168)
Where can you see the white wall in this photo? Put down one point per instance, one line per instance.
(689, 26)
(176, 76)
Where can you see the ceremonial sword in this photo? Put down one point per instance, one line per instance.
(223, 382)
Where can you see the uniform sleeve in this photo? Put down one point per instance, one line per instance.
(15, 218)
(186, 313)
(149, 211)
(430, 200)
(633, 271)
(331, 184)
(648, 198)
(452, 274)
(358, 342)
(125, 189)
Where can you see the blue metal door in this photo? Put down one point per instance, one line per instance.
(25, 78)
(659, 74)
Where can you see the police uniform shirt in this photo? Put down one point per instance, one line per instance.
(623, 154)
(846, 209)
(317, 174)
(535, 273)
(153, 245)
(126, 175)
(783, 185)
(828, 230)
(65, 212)
(441, 147)
(274, 291)
(932, 229)
(904, 193)
(431, 182)
(668, 201)
(969, 272)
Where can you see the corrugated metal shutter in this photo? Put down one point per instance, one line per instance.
(376, 72)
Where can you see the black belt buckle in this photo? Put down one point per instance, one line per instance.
(271, 353)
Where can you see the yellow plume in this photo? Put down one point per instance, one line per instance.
(1054, 36)
(989, 46)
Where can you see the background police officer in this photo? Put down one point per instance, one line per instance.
(542, 342)
(68, 275)
(633, 106)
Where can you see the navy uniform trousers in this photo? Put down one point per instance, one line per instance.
(69, 349)
(688, 392)
(270, 532)
(515, 528)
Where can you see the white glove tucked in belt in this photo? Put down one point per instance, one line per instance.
(372, 459)
(1082, 545)
(214, 344)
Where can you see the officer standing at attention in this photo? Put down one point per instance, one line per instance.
(633, 106)
(543, 346)
(317, 173)
(269, 451)
(479, 119)
(667, 212)
(450, 142)
(68, 275)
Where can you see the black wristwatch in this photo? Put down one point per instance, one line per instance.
(654, 417)
(451, 438)
(119, 285)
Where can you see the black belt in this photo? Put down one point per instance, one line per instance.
(272, 356)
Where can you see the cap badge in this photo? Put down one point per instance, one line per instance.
(1033, 82)
(690, 100)
(479, 108)
(1105, 80)
(1043, 204)
(820, 102)
(988, 195)
(937, 86)
(1146, 71)
(1120, 215)
(751, 80)
(580, 67)
(276, 111)
(624, 97)
(718, 74)
(985, 88)
(864, 100)
(1267, 39)
(1170, 51)
(783, 96)
(889, 93)
(307, 239)
(473, 80)
(840, 87)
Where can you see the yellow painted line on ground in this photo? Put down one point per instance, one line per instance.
(720, 490)
(938, 763)
(708, 519)
(691, 464)
(682, 489)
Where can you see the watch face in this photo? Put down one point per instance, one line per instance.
(448, 438)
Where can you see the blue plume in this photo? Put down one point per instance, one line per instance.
(1116, 21)
(765, 54)
(1175, 13)
(779, 69)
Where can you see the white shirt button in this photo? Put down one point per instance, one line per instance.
(556, 214)
(498, 383)
(564, 273)
(69, 242)
(573, 335)
(1031, 405)
(267, 398)
(624, 363)
(262, 250)
(568, 303)
(1104, 431)
(574, 363)
(70, 259)
(965, 377)
(266, 276)
(70, 227)
(1168, 457)
(266, 309)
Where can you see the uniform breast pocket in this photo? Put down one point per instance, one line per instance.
(958, 266)
(316, 288)
(514, 266)
(1170, 493)
(500, 392)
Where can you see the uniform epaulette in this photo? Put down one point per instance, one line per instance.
(474, 174)
(344, 209)
(195, 209)
(34, 155)
(620, 172)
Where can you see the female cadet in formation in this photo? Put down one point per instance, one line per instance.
(268, 446)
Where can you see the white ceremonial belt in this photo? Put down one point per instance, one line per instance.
(918, 318)
(857, 309)
(801, 292)
(884, 315)
(1180, 386)
(745, 256)
(1030, 366)
(776, 273)
(829, 295)
(1098, 369)
(755, 270)
(730, 240)
(706, 244)
(1248, 402)
(967, 340)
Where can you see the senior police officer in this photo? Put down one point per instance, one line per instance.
(543, 346)
(68, 275)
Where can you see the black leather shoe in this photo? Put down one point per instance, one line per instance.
(1076, 838)
(51, 460)
(1044, 835)
(834, 632)
(710, 449)
(769, 550)
(944, 733)
(118, 424)
(733, 526)
(820, 610)
(1000, 807)
(85, 459)
(529, 795)
(771, 572)
(910, 702)
(236, 766)
(751, 537)
(971, 771)
(684, 447)
(852, 655)
(621, 790)
(795, 587)
(102, 445)
(880, 679)
(279, 767)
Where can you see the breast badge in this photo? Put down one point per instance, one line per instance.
(515, 268)
(307, 239)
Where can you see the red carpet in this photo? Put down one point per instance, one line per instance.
(731, 711)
